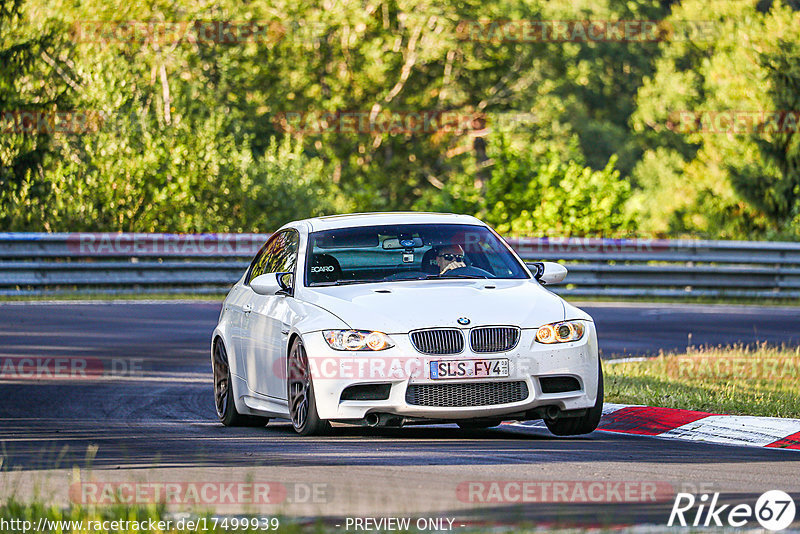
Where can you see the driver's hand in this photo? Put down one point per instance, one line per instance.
(453, 265)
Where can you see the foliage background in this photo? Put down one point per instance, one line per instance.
(577, 138)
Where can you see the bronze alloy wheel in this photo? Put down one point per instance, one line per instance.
(223, 392)
(302, 405)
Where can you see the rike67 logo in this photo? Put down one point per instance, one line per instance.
(774, 510)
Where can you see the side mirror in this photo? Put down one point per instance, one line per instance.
(286, 281)
(272, 284)
(548, 272)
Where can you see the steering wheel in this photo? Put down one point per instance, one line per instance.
(468, 271)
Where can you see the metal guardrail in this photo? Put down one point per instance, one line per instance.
(41, 264)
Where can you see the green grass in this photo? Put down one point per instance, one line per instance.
(762, 381)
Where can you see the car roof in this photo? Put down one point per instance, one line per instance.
(380, 218)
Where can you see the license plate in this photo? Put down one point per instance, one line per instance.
(469, 369)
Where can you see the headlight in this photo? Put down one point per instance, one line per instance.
(560, 332)
(357, 340)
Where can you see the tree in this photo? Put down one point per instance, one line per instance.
(173, 152)
(777, 194)
(543, 195)
(34, 81)
(727, 183)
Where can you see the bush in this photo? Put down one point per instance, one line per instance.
(545, 195)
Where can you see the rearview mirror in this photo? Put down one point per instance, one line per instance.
(272, 283)
(548, 272)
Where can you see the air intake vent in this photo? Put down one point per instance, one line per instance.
(367, 392)
(494, 338)
(559, 384)
(438, 341)
(464, 395)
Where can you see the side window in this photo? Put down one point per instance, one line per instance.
(283, 257)
(257, 267)
(278, 255)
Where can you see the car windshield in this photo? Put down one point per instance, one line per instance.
(407, 252)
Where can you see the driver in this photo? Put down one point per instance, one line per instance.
(450, 257)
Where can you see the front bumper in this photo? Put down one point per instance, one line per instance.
(401, 366)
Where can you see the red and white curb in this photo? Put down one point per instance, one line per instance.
(689, 425)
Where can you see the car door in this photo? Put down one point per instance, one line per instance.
(266, 320)
(234, 309)
(240, 302)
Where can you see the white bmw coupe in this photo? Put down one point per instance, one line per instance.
(389, 319)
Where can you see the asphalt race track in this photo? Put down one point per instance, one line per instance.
(634, 330)
(154, 421)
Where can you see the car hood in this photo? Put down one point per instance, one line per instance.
(399, 307)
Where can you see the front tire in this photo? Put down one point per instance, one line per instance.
(575, 426)
(300, 389)
(223, 392)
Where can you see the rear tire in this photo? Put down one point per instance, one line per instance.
(223, 392)
(575, 426)
(300, 392)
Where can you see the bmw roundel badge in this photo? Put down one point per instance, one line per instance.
(463, 321)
